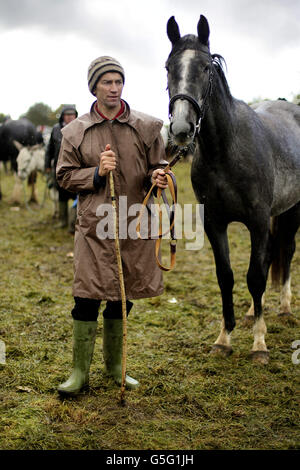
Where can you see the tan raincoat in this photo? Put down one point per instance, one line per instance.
(136, 140)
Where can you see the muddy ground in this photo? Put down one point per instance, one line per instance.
(188, 399)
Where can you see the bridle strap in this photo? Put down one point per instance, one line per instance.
(182, 96)
(200, 110)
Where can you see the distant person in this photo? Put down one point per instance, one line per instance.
(66, 218)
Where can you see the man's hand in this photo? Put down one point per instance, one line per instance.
(107, 161)
(159, 178)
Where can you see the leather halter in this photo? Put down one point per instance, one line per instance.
(182, 96)
(200, 110)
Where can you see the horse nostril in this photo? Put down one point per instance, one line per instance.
(180, 127)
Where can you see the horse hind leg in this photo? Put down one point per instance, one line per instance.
(285, 298)
(261, 252)
(286, 227)
(285, 312)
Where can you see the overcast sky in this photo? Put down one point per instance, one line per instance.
(47, 46)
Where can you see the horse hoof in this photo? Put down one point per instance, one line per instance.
(249, 320)
(288, 317)
(260, 357)
(221, 350)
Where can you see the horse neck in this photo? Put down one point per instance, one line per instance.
(218, 122)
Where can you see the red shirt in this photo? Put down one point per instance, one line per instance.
(117, 115)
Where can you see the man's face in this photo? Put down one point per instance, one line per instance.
(109, 90)
(68, 117)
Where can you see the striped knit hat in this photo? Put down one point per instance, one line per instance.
(100, 66)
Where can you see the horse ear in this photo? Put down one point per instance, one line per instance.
(18, 145)
(173, 30)
(203, 30)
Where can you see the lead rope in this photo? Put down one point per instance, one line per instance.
(161, 193)
(178, 156)
(122, 286)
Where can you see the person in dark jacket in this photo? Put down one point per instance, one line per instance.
(68, 114)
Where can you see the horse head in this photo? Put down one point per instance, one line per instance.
(30, 158)
(190, 73)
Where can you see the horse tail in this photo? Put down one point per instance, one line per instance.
(278, 253)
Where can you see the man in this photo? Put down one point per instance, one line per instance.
(68, 114)
(111, 137)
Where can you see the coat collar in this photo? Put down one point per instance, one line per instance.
(146, 126)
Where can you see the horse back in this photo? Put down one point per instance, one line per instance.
(282, 122)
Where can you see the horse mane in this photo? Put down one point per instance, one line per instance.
(218, 66)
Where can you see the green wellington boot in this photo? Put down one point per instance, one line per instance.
(112, 351)
(84, 335)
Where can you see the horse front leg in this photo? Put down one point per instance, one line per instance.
(261, 255)
(32, 183)
(16, 196)
(249, 317)
(219, 243)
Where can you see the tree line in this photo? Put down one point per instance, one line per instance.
(40, 114)
(295, 99)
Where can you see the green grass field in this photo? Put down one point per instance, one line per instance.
(188, 399)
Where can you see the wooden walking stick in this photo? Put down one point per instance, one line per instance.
(122, 285)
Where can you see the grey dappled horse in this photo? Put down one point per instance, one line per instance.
(246, 168)
(30, 160)
(24, 132)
